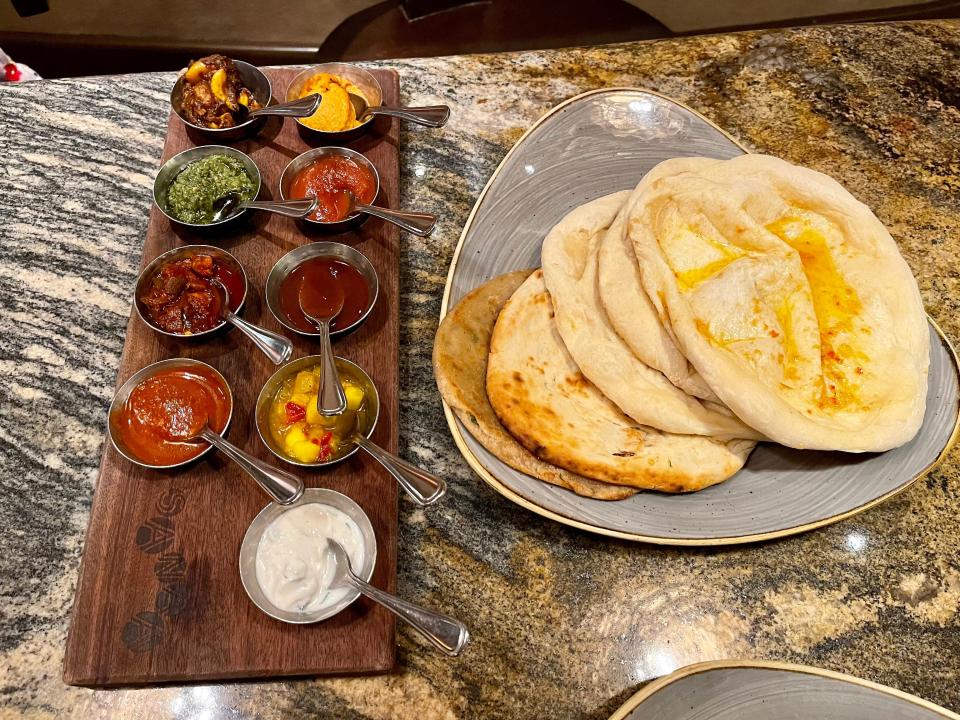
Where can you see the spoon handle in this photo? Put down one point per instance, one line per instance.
(278, 484)
(430, 115)
(304, 107)
(274, 346)
(445, 633)
(421, 224)
(331, 400)
(289, 208)
(423, 487)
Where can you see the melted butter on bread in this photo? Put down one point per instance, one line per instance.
(688, 246)
(836, 305)
(788, 341)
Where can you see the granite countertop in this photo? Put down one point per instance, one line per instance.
(565, 624)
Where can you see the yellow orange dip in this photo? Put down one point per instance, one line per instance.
(336, 113)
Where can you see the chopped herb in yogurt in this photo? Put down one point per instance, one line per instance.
(191, 194)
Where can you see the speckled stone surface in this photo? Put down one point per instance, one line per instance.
(565, 624)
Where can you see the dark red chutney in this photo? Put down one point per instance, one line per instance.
(327, 280)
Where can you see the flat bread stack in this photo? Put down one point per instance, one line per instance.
(671, 327)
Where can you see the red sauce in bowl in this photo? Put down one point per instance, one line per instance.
(328, 279)
(182, 299)
(168, 407)
(326, 179)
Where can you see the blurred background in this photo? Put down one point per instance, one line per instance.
(60, 38)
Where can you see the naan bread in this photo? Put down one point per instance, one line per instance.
(630, 312)
(569, 258)
(791, 300)
(460, 366)
(546, 403)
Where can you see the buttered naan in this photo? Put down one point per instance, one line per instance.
(790, 299)
(542, 398)
(631, 313)
(569, 259)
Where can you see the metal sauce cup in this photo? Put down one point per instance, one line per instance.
(293, 259)
(269, 391)
(172, 167)
(301, 161)
(251, 542)
(123, 394)
(254, 80)
(368, 85)
(143, 283)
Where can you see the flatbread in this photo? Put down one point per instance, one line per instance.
(460, 366)
(570, 273)
(630, 311)
(791, 300)
(545, 402)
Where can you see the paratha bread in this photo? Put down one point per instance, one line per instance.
(791, 300)
(630, 312)
(460, 366)
(546, 403)
(569, 258)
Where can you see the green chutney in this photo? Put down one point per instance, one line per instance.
(191, 194)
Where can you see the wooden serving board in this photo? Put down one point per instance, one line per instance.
(159, 596)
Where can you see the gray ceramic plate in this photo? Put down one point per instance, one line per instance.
(756, 690)
(601, 142)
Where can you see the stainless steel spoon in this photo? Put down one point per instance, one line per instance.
(431, 115)
(274, 346)
(321, 308)
(280, 485)
(444, 632)
(423, 487)
(300, 108)
(232, 202)
(421, 224)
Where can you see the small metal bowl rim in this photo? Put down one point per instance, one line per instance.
(316, 70)
(146, 373)
(310, 496)
(294, 367)
(321, 248)
(187, 251)
(323, 152)
(202, 151)
(253, 69)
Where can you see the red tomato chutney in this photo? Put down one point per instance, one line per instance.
(168, 407)
(182, 299)
(323, 281)
(326, 179)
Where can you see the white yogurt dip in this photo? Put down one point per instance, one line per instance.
(294, 565)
